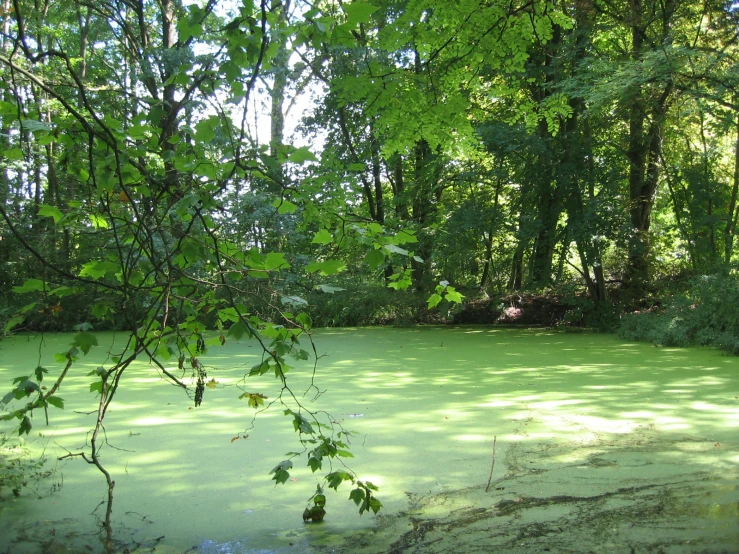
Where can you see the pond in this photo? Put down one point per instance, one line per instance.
(597, 445)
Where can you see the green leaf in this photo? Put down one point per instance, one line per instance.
(99, 222)
(328, 267)
(254, 399)
(281, 473)
(56, 402)
(13, 322)
(35, 125)
(374, 228)
(434, 300)
(294, 301)
(335, 478)
(238, 330)
(305, 320)
(101, 309)
(39, 373)
(29, 285)
(375, 258)
(6, 108)
(322, 237)
(97, 269)
(300, 354)
(302, 155)
(13, 154)
(64, 291)
(260, 369)
(405, 237)
(301, 424)
(229, 314)
(315, 463)
(275, 260)
(50, 211)
(357, 495)
(329, 288)
(25, 426)
(284, 206)
(453, 296)
(396, 249)
(205, 131)
(26, 388)
(359, 12)
(97, 387)
(85, 341)
(374, 505)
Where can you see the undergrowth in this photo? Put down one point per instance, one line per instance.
(366, 305)
(706, 315)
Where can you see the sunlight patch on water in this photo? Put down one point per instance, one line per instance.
(497, 404)
(389, 449)
(157, 420)
(65, 432)
(642, 414)
(605, 425)
(552, 404)
(471, 438)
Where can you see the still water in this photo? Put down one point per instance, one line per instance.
(599, 445)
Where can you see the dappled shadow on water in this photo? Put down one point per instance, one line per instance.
(425, 404)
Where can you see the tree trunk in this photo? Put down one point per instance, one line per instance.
(733, 213)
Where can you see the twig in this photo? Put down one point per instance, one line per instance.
(492, 467)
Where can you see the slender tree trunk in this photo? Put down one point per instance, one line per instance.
(377, 178)
(733, 213)
(280, 69)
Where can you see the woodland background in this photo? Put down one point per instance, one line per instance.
(259, 168)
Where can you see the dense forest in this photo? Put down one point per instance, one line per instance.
(588, 150)
(259, 168)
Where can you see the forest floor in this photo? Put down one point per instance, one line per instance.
(525, 309)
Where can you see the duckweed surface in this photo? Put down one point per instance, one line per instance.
(600, 446)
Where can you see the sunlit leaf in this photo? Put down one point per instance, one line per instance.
(396, 249)
(294, 300)
(50, 211)
(322, 237)
(357, 12)
(433, 300)
(302, 155)
(453, 296)
(97, 269)
(329, 288)
(328, 267)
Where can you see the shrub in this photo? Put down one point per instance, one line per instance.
(364, 305)
(706, 315)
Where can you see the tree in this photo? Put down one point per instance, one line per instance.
(127, 132)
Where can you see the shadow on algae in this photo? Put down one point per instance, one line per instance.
(595, 445)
